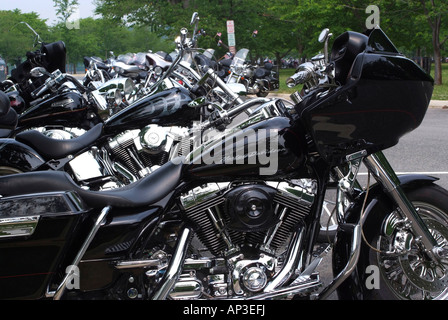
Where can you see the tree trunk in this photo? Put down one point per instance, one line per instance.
(437, 55)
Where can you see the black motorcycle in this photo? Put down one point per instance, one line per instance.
(42, 93)
(238, 217)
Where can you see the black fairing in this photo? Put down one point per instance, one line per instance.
(54, 56)
(169, 107)
(203, 60)
(385, 95)
(51, 56)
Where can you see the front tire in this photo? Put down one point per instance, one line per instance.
(407, 273)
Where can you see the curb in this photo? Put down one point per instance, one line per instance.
(440, 104)
(437, 104)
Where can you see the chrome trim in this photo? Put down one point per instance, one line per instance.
(299, 193)
(175, 267)
(197, 264)
(199, 195)
(306, 283)
(188, 287)
(18, 226)
(273, 231)
(239, 266)
(123, 265)
(85, 166)
(290, 264)
(99, 221)
(348, 269)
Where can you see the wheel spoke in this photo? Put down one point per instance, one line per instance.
(412, 275)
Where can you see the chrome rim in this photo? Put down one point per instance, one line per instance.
(405, 268)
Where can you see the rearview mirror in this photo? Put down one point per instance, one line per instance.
(323, 35)
(194, 18)
(38, 72)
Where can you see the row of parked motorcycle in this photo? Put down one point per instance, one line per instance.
(105, 193)
(132, 97)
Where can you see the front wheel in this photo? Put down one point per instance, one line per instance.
(393, 265)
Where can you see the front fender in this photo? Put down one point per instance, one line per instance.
(378, 202)
(18, 156)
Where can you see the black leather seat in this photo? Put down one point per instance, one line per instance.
(144, 192)
(50, 148)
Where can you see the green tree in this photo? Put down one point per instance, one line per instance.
(435, 13)
(17, 38)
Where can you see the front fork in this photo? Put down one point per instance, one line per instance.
(380, 168)
(383, 173)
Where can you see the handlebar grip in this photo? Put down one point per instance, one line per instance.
(298, 78)
(36, 93)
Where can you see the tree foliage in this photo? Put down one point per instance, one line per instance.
(284, 27)
(17, 38)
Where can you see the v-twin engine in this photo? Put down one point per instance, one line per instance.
(248, 241)
(130, 156)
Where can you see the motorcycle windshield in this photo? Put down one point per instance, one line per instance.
(240, 58)
(379, 42)
(126, 58)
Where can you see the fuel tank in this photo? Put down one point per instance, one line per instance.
(270, 149)
(168, 107)
(63, 109)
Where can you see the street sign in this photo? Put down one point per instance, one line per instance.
(231, 36)
(230, 26)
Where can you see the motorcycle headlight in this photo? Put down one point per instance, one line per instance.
(128, 90)
(114, 97)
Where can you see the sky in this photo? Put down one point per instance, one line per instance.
(45, 8)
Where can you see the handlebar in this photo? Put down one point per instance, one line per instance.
(304, 73)
(225, 117)
(298, 78)
(56, 78)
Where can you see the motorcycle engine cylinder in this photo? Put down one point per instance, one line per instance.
(153, 139)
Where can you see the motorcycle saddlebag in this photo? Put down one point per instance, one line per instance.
(35, 231)
(383, 96)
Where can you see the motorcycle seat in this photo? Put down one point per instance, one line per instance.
(50, 148)
(8, 123)
(144, 192)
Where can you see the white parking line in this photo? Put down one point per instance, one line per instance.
(427, 173)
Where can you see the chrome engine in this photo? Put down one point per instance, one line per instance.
(248, 241)
(130, 155)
